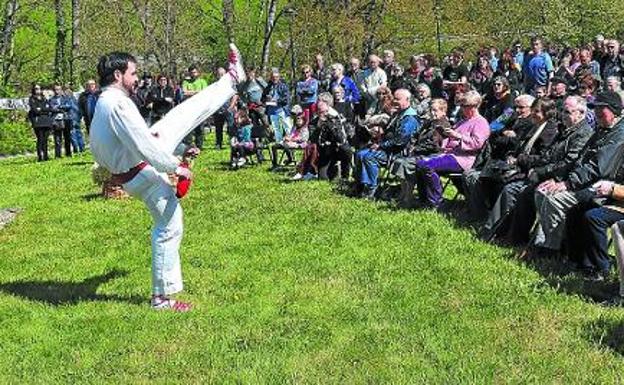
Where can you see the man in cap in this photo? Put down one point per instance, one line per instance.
(600, 159)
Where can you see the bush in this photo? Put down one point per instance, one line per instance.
(16, 134)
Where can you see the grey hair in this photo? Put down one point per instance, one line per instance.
(581, 103)
(526, 98)
(327, 98)
(423, 86)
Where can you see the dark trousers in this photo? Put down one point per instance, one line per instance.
(329, 156)
(220, 120)
(197, 135)
(42, 134)
(591, 237)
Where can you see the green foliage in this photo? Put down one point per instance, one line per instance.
(16, 135)
(292, 283)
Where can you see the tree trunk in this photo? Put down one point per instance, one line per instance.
(228, 19)
(75, 46)
(372, 17)
(8, 32)
(170, 23)
(268, 31)
(61, 33)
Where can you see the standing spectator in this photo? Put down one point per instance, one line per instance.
(141, 97)
(374, 77)
(455, 76)
(587, 68)
(77, 140)
(565, 71)
(39, 114)
(250, 93)
(321, 73)
(62, 122)
(307, 92)
(394, 72)
(508, 69)
(518, 55)
(276, 99)
(191, 87)
(357, 75)
(351, 92)
(161, 98)
(411, 76)
(225, 116)
(481, 75)
(87, 101)
(538, 67)
(493, 58)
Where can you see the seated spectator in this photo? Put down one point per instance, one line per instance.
(600, 159)
(276, 99)
(241, 145)
(411, 76)
(558, 91)
(396, 137)
(344, 107)
(613, 83)
(427, 141)
(421, 101)
(372, 126)
(331, 139)
(565, 71)
(587, 67)
(298, 137)
(307, 92)
(499, 108)
(499, 146)
(459, 149)
(455, 76)
(549, 158)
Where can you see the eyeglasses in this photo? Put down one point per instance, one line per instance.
(498, 84)
(468, 105)
(521, 107)
(567, 112)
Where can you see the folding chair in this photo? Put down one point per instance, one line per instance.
(456, 179)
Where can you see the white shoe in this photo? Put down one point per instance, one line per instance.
(235, 66)
(241, 162)
(297, 176)
(309, 176)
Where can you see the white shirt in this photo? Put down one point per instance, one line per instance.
(120, 138)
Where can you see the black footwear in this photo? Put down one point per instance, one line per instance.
(595, 275)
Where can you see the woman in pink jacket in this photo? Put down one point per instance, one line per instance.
(460, 147)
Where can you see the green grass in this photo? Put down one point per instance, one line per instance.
(293, 283)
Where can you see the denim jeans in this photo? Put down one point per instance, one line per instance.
(279, 124)
(77, 139)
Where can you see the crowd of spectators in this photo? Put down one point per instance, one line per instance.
(531, 137)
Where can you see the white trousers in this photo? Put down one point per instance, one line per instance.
(154, 189)
(617, 229)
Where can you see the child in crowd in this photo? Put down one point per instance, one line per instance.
(241, 144)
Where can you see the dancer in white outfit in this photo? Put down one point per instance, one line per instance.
(140, 157)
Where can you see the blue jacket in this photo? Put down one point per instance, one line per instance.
(351, 92)
(279, 93)
(307, 91)
(400, 131)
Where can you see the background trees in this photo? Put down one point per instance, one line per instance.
(60, 40)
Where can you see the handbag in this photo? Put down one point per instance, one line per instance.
(43, 121)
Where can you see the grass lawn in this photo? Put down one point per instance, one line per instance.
(292, 282)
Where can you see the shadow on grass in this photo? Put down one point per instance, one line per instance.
(92, 197)
(67, 293)
(78, 164)
(607, 334)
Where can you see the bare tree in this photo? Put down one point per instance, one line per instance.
(8, 32)
(228, 19)
(75, 36)
(61, 34)
(268, 31)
